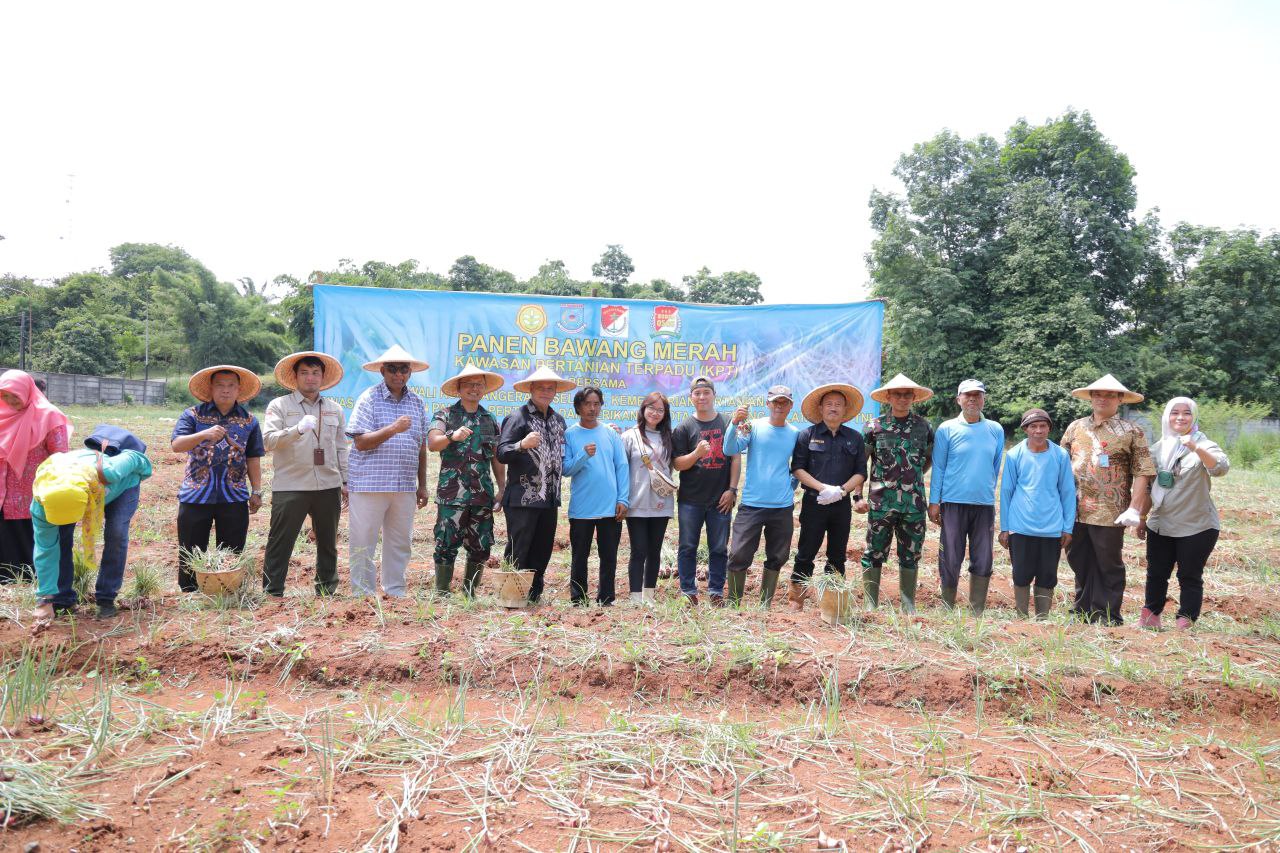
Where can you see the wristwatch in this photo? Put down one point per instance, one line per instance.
(256, 493)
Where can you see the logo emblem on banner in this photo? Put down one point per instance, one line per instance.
(531, 319)
(573, 318)
(666, 320)
(615, 321)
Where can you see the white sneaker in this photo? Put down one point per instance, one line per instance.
(637, 598)
(649, 596)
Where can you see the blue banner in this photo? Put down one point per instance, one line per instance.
(626, 347)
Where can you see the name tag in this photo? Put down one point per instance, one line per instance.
(817, 444)
(317, 456)
(1102, 460)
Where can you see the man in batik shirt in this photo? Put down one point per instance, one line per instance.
(1113, 469)
(466, 437)
(899, 452)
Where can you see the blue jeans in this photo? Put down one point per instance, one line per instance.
(116, 517)
(692, 517)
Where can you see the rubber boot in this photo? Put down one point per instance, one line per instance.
(796, 594)
(637, 598)
(948, 594)
(768, 583)
(870, 587)
(444, 576)
(649, 595)
(978, 593)
(472, 579)
(1022, 599)
(737, 583)
(1044, 602)
(907, 589)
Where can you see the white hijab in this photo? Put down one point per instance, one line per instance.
(1169, 448)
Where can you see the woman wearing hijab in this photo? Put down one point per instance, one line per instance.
(31, 429)
(653, 493)
(1183, 525)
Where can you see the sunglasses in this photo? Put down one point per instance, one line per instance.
(396, 368)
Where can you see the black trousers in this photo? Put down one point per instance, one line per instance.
(776, 525)
(230, 523)
(288, 512)
(1035, 558)
(974, 523)
(607, 533)
(1189, 554)
(645, 535)
(531, 534)
(817, 522)
(1096, 559)
(17, 549)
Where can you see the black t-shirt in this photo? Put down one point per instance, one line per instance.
(705, 482)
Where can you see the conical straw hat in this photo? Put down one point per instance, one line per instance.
(544, 374)
(492, 380)
(1108, 383)
(811, 405)
(897, 383)
(201, 383)
(396, 355)
(286, 376)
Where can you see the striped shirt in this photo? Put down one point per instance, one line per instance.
(393, 465)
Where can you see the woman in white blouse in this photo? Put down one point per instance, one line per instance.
(653, 492)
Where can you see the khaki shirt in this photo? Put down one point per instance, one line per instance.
(293, 454)
(1103, 491)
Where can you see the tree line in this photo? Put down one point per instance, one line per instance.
(1022, 262)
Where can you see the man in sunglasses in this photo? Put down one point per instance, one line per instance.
(386, 473)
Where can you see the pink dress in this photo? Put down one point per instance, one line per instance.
(18, 485)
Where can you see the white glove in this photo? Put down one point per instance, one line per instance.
(830, 495)
(308, 423)
(1129, 518)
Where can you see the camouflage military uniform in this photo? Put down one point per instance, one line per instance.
(898, 455)
(465, 493)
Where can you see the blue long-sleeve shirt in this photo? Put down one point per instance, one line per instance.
(1037, 492)
(768, 483)
(966, 462)
(600, 482)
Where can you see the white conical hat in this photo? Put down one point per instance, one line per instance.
(544, 374)
(898, 383)
(811, 406)
(492, 380)
(1108, 383)
(396, 355)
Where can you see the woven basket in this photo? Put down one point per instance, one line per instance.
(220, 583)
(513, 588)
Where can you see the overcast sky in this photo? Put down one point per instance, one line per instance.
(272, 137)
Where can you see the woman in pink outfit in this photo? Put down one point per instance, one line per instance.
(31, 429)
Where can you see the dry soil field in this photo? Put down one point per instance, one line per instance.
(199, 724)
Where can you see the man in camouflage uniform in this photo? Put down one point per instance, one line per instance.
(466, 437)
(899, 452)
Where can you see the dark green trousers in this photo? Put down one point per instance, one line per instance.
(288, 511)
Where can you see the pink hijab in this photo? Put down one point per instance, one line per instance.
(24, 430)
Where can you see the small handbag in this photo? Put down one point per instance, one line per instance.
(662, 485)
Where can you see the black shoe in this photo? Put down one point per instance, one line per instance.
(107, 610)
(64, 610)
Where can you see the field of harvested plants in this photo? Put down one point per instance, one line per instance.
(198, 723)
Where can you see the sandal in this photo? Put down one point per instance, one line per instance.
(42, 617)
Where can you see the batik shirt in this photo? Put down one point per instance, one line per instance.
(218, 473)
(466, 466)
(533, 476)
(1104, 491)
(899, 452)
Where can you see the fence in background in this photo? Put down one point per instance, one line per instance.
(70, 388)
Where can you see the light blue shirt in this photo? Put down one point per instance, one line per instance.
(1037, 492)
(598, 483)
(966, 462)
(768, 483)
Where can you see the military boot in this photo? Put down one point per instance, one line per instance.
(978, 585)
(768, 583)
(870, 587)
(475, 569)
(444, 576)
(1022, 599)
(948, 594)
(907, 589)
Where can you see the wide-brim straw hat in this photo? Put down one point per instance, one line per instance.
(396, 355)
(545, 374)
(492, 381)
(288, 377)
(811, 405)
(201, 383)
(1108, 383)
(899, 383)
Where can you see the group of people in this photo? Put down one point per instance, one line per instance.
(734, 478)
